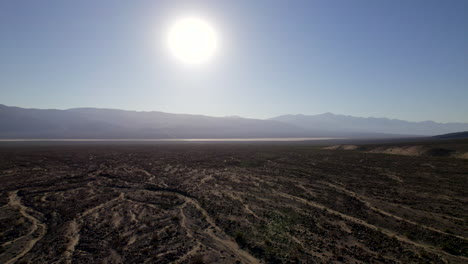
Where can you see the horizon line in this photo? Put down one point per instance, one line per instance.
(234, 116)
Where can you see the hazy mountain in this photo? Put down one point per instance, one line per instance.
(97, 123)
(109, 123)
(331, 122)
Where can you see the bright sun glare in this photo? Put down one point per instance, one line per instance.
(192, 40)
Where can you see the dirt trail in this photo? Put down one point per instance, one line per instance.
(206, 178)
(222, 239)
(189, 253)
(73, 234)
(183, 222)
(73, 230)
(38, 229)
(244, 206)
(361, 222)
(367, 204)
(219, 237)
(91, 210)
(213, 231)
(151, 176)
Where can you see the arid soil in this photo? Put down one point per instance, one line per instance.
(229, 203)
(436, 148)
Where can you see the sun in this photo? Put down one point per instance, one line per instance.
(192, 40)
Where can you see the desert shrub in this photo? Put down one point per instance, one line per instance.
(424, 254)
(19, 222)
(198, 259)
(454, 248)
(440, 152)
(411, 235)
(240, 239)
(155, 237)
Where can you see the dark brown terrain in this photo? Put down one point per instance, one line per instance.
(229, 203)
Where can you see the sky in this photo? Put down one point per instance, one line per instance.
(397, 59)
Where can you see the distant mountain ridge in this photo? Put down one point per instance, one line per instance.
(93, 123)
(331, 122)
(96, 123)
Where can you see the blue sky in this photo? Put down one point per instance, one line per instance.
(396, 59)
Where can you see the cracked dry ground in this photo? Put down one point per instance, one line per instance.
(217, 203)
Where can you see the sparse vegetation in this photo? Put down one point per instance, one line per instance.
(215, 203)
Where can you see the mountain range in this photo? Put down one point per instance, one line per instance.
(96, 123)
(329, 122)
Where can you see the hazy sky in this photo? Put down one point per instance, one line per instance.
(398, 59)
